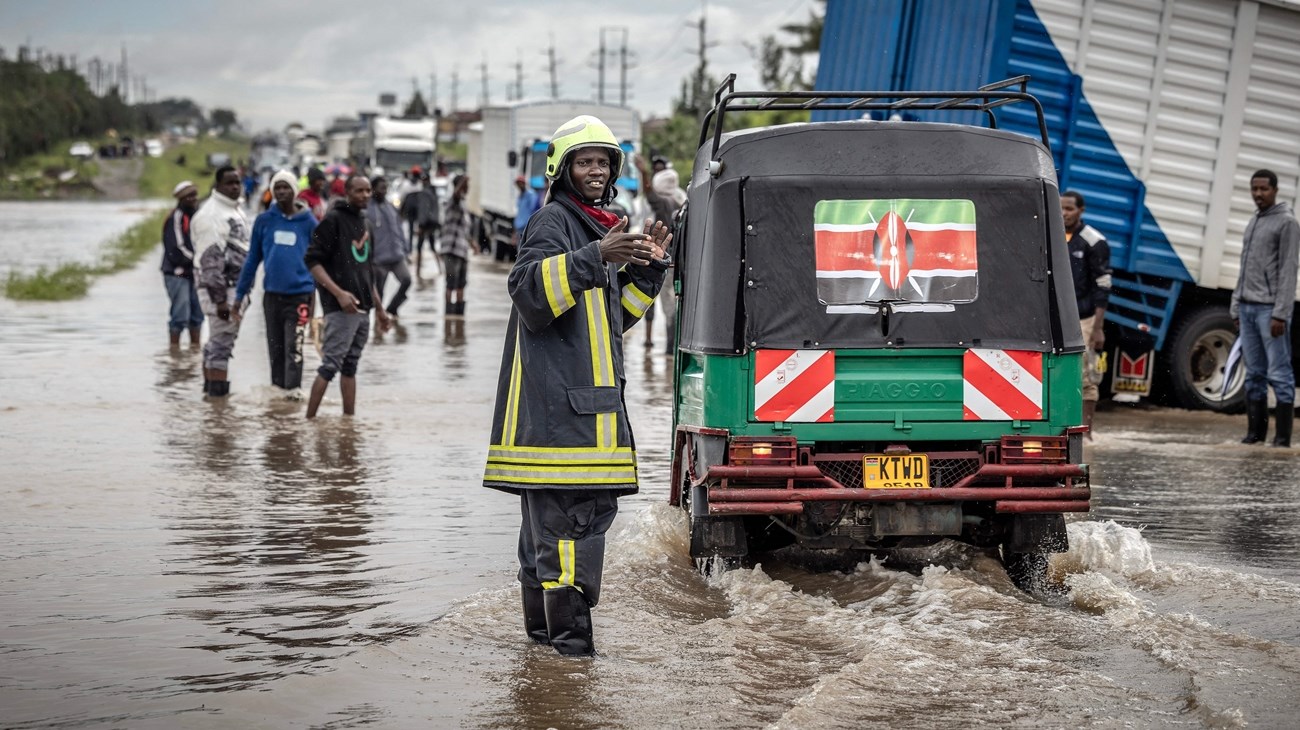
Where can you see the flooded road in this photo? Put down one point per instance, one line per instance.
(174, 563)
(81, 226)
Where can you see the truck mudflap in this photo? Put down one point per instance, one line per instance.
(805, 484)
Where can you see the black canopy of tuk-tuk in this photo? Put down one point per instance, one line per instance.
(748, 261)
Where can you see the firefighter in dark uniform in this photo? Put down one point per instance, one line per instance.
(560, 433)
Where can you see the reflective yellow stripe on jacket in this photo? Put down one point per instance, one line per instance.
(559, 465)
(602, 362)
(555, 281)
(635, 301)
(511, 425)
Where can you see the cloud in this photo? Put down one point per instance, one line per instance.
(277, 61)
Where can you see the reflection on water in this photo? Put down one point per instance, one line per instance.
(1185, 479)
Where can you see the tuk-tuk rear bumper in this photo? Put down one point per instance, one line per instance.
(815, 486)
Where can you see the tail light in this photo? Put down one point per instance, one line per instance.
(1034, 450)
(762, 451)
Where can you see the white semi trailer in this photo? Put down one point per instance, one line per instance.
(511, 141)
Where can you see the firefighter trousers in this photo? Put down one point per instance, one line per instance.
(562, 538)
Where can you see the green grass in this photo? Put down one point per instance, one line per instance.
(69, 281)
(72, 281)
(36, 176)
(453, 151)
(162, 173)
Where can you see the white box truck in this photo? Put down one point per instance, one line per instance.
(1158, 111)
(395, 145)
(511, 140)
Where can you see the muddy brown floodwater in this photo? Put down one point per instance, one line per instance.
(174, 563)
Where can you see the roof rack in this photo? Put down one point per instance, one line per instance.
(985, 99)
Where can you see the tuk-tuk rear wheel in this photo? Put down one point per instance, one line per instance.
(1027, 571)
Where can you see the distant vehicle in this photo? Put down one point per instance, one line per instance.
(394, 145)
(82, 150)
(217, 159)
(153, 147)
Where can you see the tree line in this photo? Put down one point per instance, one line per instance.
(44, 104)
(40, 107)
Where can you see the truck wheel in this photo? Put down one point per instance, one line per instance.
(1027, 571)
(1197, 362)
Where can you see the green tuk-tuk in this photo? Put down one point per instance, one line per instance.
(878, 342)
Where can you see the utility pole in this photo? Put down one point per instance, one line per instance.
(600, 63)
(123, 78)
(622, 69)
(483, 72)
(433, 93)
(519, 77)
(550, 67)
(455, 88)
(701, 71)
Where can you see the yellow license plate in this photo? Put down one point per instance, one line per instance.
(910, 471)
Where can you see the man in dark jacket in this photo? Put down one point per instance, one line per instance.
(392, 249)
(280, 237)
(1090, 267)
(341, 258)
(1262, 304)
(178, 266)
(560, 436)
(427, 219)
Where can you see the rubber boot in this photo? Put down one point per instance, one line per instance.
(1256, 421)
(535, 614)
(1089, 408)
(568, 621)
(219, 388)
(1285, 415)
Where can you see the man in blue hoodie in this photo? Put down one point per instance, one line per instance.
(280, 239)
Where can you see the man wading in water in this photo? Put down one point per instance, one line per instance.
(341, 258)
(220, 233)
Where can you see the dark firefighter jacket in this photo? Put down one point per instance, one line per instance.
(559, 421)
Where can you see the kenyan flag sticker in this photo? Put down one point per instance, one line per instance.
(904, 250)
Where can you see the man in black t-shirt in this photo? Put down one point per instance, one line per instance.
(341, 259)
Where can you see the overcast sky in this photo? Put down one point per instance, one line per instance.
(275, 61)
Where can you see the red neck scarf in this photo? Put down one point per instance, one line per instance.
(603, 217)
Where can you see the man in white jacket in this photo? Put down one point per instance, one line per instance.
(220, 233)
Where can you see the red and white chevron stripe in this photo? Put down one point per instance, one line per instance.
(794, 385)
(1002, 385)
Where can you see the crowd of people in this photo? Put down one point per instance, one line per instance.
(326, 249)
(319, 244)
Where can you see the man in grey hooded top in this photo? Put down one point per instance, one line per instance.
(1262, 305)
(391, 247)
